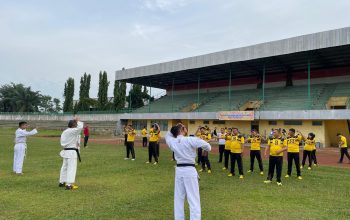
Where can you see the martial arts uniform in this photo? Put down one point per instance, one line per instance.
(222, 141)
(227, 151)
(310, 146)
(70, 142)
(186, 176)
(255, 143)
(275, 159)
(144, 137)
(236, 154)
(130, 145)
(343, 149)
(20, 148)
(152, 145)
(292, 144)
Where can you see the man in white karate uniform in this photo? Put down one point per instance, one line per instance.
(186, 176)
(70, 140)
(21, 146)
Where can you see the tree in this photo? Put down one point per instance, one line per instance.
(119, 95)
(102, 95)
(57, 106)
(122, 94)
(46, 104)
(135, 96)
(68, 95)
(18, 98)
(84, 91)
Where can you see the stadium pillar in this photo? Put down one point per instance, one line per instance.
(308, 83)
(199, 80)
(172, 97)
(229, 90)
(150, 95)
(263, 84)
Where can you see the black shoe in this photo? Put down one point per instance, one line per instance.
(71, 187)
(61, 184)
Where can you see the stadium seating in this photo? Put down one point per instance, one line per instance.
(281, 98)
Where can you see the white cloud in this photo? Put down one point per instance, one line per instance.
(166, 5)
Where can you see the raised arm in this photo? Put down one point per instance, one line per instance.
(24, 133)
(197, 143)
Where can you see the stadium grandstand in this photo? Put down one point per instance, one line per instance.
(301, 82)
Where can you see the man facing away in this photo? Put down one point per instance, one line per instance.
(21, 146)
(186, 176)
(70, 153)
(86, 134)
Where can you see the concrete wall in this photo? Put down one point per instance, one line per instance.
(333, 127)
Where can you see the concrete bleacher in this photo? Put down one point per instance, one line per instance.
(280, 98)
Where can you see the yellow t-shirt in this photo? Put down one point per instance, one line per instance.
(144, 132)
(293, 143)
(276, 144)
(255, 142)
(236, 144)
(343, 139)
(131, 136)
(228, 138)
(153, 136)
(310, 145)
(205, 137)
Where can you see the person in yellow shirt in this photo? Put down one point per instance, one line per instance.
(227, 151)
(154, 134)
(220, 137)
(310, 146)
(292, 143)
(237, 143)
(130, 142)
(275, 148)
(199, 150)
(343, 147)
(255, 142)
(144, 136)
(206, 136)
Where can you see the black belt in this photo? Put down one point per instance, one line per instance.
(185, 165)
(76, 150)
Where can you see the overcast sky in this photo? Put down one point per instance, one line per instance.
(42, 43)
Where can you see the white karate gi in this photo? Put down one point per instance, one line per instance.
(70, 138)
(20, 148)
(186, 178)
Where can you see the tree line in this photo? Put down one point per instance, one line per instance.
(136, 98)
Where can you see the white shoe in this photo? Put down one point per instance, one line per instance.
(133, 159)
(126, 158)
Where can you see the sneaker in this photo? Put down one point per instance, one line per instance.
(230, 174)
(241, 176)
(309, 168)
(286, 176)
(126, 158)
(209, 171)
(315, 164)
(267, 181)
(148, 162)
(279, 184)
(261, 173)
(133, 159)
(300, 178)
(61, 184)
(71, 187)
(201, 170)
(249, 171)
(301, 167)
(224, 168)
(155, 163)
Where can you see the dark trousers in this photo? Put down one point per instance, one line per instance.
(236, 157)
(206, 162)
(227, 157)
(275, 162)
(173, 156)
(221, 152)
(295, 157)
(199, 153)
(314, 158)
(152, 151)
(344, 151)
(86, 139)
(157, 149)
(125, 139)
(307, 154)
(144, 142)
(130, 149)
(255, 154)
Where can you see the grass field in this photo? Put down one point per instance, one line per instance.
(111, 188)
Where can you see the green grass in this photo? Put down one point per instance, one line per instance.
(111, 188)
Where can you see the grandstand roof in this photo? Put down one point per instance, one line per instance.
(324, 50)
